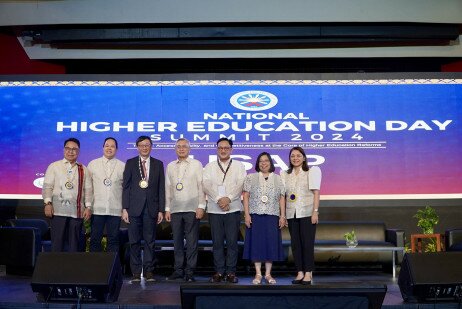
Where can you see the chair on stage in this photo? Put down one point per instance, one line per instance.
(19, 248)
(40, 224)
(21, 240)
(453, 238)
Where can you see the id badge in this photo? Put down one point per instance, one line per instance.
(221, 190)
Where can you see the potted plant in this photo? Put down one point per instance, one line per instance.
(427, 219)
(350, 239)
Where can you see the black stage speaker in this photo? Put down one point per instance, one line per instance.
(82, 276)
(332, 296)
(431, 276)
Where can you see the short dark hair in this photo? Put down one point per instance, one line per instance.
(257, 167)
(304, 164)
(115, 141)
(230, 142)
(72, 139)
(142, 138)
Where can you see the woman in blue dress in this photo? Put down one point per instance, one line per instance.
(264, 208)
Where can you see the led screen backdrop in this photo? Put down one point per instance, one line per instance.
(371, 138)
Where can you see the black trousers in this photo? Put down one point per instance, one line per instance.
(142, 227)
(185, 226)
(65, 230)
(302, 234)
(112, 224)
(223, 227)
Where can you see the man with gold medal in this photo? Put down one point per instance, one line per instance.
(184, 207)
(106, 174)
(67, 194)
(143, 204)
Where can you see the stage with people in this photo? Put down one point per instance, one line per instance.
(268, 193)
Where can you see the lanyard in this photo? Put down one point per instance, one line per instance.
(227, 169)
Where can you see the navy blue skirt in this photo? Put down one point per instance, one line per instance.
(263, 241)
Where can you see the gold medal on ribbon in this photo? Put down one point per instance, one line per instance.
(292, 197)
(69, 185)
(179, 186)
(143, 184)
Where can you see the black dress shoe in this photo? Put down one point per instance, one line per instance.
(174, 276)
(217, 277)
(295, 281)
(149, 277)
(305, 282)
(189, 278)
(136, 278)
(231, 278)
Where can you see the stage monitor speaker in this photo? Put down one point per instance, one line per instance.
(332, 296)
(82, 276)
(431, 276)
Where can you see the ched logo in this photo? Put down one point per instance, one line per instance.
(253, 100)
(39, 182)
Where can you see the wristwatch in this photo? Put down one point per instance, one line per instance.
(316, 210)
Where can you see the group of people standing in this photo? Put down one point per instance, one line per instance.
(142, 195)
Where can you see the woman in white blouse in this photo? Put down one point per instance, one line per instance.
(264, 208)
(302, 209)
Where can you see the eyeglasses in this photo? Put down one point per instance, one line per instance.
(224, 148)
(182, 146)
(144, 146)
(69, 149)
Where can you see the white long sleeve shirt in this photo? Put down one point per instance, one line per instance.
(301, 185)
(107, 200)
(187, 175)
(231, 187)
(65, 200)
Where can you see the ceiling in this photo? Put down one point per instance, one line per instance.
(263, 35)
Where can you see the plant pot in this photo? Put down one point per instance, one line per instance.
(351, 243)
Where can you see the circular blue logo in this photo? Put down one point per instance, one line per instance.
(253, 100)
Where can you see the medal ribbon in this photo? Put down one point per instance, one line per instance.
(293, 183)
(178, 179)
(264, 182)
(142, 171)
(107, 167)
(69, 171)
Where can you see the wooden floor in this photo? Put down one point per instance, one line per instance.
(15, 291)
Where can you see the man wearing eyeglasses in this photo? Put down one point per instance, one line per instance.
(143, 205)
(223, 181)
(185, 206)
(67, 194)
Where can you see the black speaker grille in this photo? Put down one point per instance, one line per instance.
(86, 276)
(431, 276)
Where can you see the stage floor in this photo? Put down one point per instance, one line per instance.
(15, 291)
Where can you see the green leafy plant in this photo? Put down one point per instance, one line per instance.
(350, 236)
(407, 248)
(427, 219)
(350, 239)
